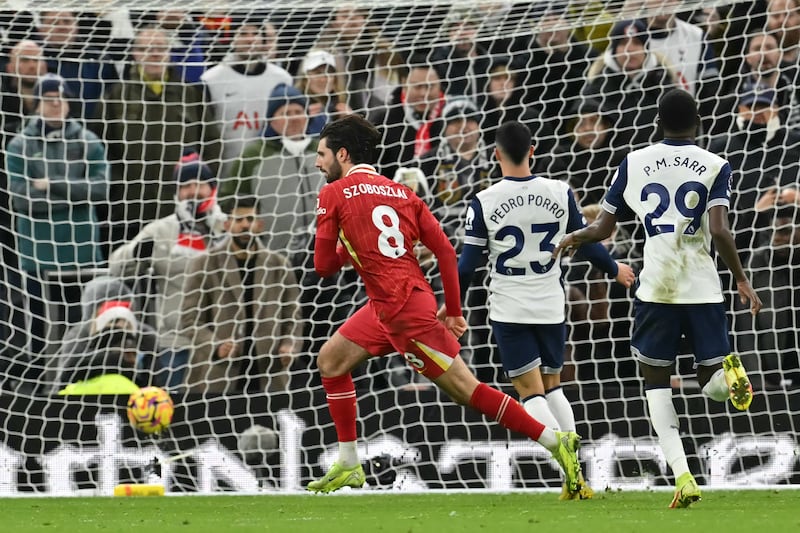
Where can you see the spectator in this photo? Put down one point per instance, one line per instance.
(241, 310)
(762, 67)
(552, 66)
(685, 48)
(322, 85)
(112, 347)
(269, 43)
(763, 152)
(165, 247)
(628, 80)
(463, 62)
(585, 159)
(410, 122)
(369, 63)
(24, 67)
(783, 21)
(88, 72)
(57, 174)
(279, 170)
(147, 120)
(95, 346)
(501, 101)
(776, 279)
(188, 43)
(458, 168)
(239, 88)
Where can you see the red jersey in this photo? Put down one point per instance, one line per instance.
(378, 221)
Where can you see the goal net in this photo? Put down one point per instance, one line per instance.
(136, 134)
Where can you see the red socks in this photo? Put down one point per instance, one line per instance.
(341, 395)
(507, 411)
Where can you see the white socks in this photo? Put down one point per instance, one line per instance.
(537, 407)
(348, 454)
(665, 422)
(717, 387)
(561, 409)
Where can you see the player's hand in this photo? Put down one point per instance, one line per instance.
(625, 275)
(567, 243)
(343, 254)
(456, 325)
(441, 314)
(41, 184)
(746, 293)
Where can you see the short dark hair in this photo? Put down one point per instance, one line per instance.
(677, 111)
(355, 134)
(514, 140)
(231, 203)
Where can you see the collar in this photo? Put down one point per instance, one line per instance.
(527, 178)
(677, 142)
(368, 169)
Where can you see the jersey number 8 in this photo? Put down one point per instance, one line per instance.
(391, 242)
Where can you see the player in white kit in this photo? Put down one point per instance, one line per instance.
(518, 221)
(681, 193)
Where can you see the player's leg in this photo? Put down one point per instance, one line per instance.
(551, 339)
(358, 339)
(721, 376)
(433, 351)
(520, 354)
(532, 356)
(655, 340)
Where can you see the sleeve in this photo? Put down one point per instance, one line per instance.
(326, 259)
(95, 188)
(192, 322)
(24, 198)
(720, 193)
(597, 255)
(475, 243)
(434, 238)
(614, 201)
(291, 320)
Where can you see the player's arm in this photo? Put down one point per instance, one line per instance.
(605, 223)
(723, 239)
(475, 242)
(329, 256)
(596, 253)
(437, 242)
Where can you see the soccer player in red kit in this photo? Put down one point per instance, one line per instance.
(373, 222)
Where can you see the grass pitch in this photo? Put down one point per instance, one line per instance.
(617, 512)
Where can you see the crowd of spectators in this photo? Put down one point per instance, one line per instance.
(124, 132)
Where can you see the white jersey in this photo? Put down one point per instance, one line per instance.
(684, 46)
(671, 186)
(240, 102)
(519, 221)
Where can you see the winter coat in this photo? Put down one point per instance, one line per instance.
(214, 309)
(57, 228)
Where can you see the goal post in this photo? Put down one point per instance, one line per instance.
(110, 266)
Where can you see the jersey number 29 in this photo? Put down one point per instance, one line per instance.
(694, 213)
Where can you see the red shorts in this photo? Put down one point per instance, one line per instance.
(415, 332)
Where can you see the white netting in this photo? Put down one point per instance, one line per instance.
(101, 211)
